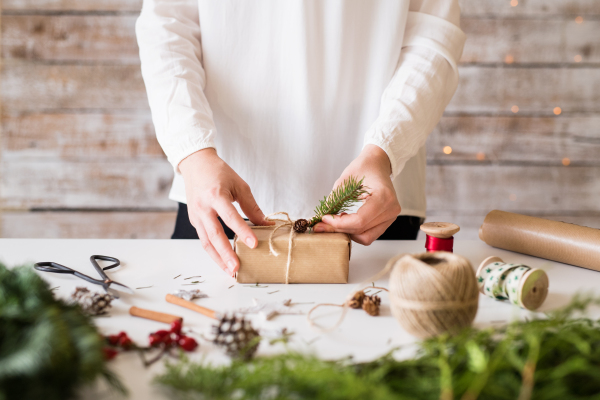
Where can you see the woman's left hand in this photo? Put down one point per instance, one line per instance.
(379, 210)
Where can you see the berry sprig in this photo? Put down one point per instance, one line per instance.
(161, 339)
(172, 338)
(115, 342)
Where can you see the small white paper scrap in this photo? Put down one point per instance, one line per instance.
(189, 295)
(268, 310)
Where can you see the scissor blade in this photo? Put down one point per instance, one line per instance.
(119, 287)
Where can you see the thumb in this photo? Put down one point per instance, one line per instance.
(251, 209)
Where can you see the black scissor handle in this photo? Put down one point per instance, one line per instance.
(49, 266)
(105, 258)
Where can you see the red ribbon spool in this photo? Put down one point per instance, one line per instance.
(433, 243)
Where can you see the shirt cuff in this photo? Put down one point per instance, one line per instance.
(188, 144)
(385, 146)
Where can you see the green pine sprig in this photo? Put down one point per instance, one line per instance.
(349, 193)
(551, 358)
(49, 349)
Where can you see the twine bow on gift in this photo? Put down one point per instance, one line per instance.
(296, 226)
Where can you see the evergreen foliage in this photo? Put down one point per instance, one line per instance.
(344, 196)
(48, 348)
(553, 358)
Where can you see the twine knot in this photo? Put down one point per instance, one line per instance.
(296, 226)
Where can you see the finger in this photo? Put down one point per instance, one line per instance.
(217, 237)
(369, 236)
(233, 220)
(357, 222)
(209, 248)
(323, 227)
(250, 207)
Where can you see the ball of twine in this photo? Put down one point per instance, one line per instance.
(433, 293)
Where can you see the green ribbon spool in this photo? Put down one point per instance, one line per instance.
(519, 284)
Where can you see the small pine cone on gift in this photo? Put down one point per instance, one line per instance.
(301, 225)
(356, 301)
(371, 305)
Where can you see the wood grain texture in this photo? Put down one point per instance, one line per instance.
(98, 137)
(77, 132)
(111, 39)
(74, 38)
(88, 225)
(533, 90)
(476, 189)
(79, 137)
(520, 140)
(105, 184)
(530, 8)
(491, 40)
(29, 87)
(72, 5)
(482, 89)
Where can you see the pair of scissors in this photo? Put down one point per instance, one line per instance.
(107, 284)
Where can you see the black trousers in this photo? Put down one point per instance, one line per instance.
(405, 227)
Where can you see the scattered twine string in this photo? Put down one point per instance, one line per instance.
(344, 305)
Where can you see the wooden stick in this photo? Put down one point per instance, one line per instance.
(191, 306)
(154, 315)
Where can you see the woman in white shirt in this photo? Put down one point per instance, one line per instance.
(289, 98)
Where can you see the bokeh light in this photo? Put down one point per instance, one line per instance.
(447, 150)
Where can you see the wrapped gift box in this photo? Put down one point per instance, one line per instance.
(316, 257)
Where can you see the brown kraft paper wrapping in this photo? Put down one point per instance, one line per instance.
(316, 258)
(552, 240)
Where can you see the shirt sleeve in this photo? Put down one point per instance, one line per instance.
(168, 35)
(423, 83)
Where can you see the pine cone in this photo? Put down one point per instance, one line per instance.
(371, 305)
(92, 303)
(357, 300)
(301, 225)
(237, 336)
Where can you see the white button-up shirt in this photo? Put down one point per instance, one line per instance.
(289, 91)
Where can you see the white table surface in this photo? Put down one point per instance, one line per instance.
(156, 262)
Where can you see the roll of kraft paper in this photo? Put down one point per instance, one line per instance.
(552, 240)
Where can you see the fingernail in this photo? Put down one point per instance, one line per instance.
(250, 242)
(231, 265)
(327, 218)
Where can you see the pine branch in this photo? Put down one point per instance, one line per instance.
(341, 199)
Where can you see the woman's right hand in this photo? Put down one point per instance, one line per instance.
(211, 186)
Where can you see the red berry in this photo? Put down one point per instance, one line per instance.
(155, 339)
(122, 334)
(109, 353)
(162, 333)
(176, 326)
(113, 339)
(187, 343)
(125, 342)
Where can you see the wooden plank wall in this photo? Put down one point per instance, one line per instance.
(79, 157)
